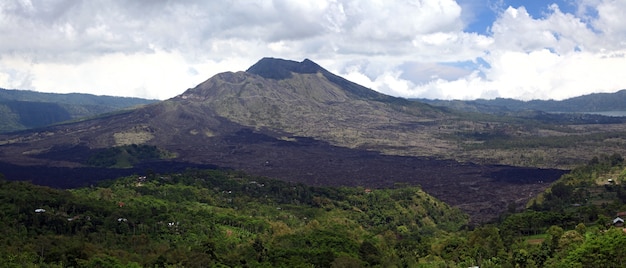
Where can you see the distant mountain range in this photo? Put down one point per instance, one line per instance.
(23, 109)
(592, 103)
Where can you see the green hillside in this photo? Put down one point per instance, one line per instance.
(229, 219)
(572, 224)
(212, 218)
(22, 109)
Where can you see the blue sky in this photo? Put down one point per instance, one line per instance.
(480, 15)
(445, 49)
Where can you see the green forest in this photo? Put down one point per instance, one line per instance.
(221, 218)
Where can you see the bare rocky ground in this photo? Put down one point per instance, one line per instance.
(482, 191)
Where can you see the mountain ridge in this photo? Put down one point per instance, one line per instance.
(274, 68)
(589, 103)
(24, 109)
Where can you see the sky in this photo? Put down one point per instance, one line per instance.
(436, 49)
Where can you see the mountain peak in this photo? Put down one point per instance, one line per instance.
(279, 69)
(273, 69)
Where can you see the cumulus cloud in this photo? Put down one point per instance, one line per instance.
(554, 57)
(410, 48)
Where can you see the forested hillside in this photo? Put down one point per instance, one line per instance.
(576, 222)
(207, 218)
(23, 109)
(203, 218)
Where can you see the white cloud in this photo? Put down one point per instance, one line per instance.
(555, 57)
(400, 21)
(537, 75)
(158, 75)
(417, 48)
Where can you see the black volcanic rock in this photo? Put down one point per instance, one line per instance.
(273, 68)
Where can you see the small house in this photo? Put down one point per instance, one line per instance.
(618, 222)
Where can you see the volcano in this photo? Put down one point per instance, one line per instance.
(285, 119)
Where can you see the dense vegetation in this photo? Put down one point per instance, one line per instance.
(572, 223)
(206, 218)
(203, 218)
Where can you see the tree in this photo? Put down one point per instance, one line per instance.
(606, 249)
(555, 232)
(562, 191)
(346, 262)
(568, 241)
(581, 228)
(486, 243)
(522, 258)
(260, 250)
(603, 220)
(369, 253)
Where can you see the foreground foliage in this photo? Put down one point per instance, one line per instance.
(573, 222)
(211, 218)
(228, 219)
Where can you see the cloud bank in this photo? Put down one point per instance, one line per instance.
(424, 48)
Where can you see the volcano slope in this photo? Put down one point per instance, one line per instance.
(288, 120)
